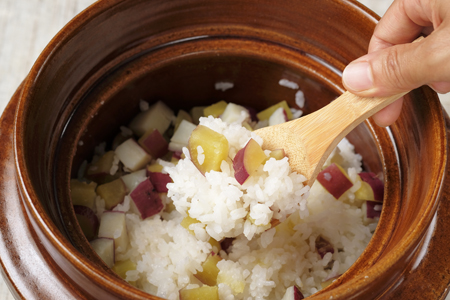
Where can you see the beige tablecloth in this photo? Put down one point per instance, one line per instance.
(26, 26)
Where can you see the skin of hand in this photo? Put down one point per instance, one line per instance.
(394, 64)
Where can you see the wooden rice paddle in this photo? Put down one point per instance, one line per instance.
(309, 140)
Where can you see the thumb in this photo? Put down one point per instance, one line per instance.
(397, 69)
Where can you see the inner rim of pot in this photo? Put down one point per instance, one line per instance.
(302, 68)
(41, 184)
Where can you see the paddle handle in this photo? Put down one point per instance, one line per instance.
(322, 130)
(327, 126)
(337, 119)
(309, 140)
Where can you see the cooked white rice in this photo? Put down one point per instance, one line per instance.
(167, 255)
(223, 85)
(289, 84)
(223, 206)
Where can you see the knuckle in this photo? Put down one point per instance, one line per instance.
(393, 71)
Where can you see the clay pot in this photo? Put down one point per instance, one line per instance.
(89, 81)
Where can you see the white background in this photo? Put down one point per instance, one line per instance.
(26, 26)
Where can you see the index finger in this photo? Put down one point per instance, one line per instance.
(402, 23)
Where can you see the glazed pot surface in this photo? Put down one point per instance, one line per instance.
(90, 79)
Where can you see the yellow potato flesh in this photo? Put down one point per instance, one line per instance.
(278, 154)
(365, 192)
(247, 126)
(156, 168)
(216, 247)
(265, 114)
(200, 293)
(215, 109)
(254, 156)
(187, 221)
(214, 145)
(247, 161)
(236, 286)
(210, 270)
(112, 192)
(122, 267)
(83, 193)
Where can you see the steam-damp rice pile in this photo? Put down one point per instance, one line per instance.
(192, 215)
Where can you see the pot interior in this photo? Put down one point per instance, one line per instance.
(90, 80)
(188, 80)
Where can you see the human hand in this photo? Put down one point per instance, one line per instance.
(394, 64)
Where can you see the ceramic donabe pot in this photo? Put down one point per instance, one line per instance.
(89, 81)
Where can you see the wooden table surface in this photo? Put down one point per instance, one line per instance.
(26, 26)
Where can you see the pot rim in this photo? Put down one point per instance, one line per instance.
(43, 223)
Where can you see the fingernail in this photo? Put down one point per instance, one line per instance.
(358, 76)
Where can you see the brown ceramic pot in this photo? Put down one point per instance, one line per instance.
(89, 80)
